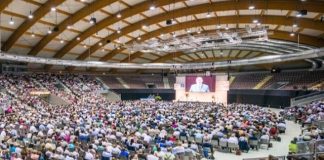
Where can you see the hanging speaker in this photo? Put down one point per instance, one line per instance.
(168, 22)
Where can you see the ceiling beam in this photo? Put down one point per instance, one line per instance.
(38, 14)
(4, 4)
(266, 19)
(141, 7)
(306, 23)
(79, 15)
(217, 6)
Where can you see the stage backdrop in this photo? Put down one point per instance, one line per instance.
(217, 90)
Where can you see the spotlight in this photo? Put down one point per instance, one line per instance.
(103, 50)
(219, 26)
(188, 31)
(298, 15)
(226, 28)
(11, 22)
(33, 35)
(294, 25)
(61, 41)
(30, 16)
(292, 34)
(118, 31)
(84, 46)
(198, 31)
(251, 7)
(174, 35)
(53, 9)
(255, 21)
(139, 38)
(78, 38)
(49, 31)
(258, 24)
(69, 27)
(100, 44)
(119, 15)
(162, 35)
(144, 26)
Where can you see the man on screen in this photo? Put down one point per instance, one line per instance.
(199, 86)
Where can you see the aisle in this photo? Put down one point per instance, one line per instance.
(278, 149)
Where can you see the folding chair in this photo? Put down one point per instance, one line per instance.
(264, 142)
(232, 146)
(223, 146)
(254, 144)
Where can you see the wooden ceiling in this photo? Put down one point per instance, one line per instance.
(76, 38)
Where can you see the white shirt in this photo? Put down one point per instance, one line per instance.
(233, 140)
(88, 156)
(151, 157)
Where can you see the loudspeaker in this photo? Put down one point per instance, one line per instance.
(108, 41)
(168, 22)
(56, 29)
(303, 12)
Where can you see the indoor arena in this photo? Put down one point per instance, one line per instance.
(161, 80)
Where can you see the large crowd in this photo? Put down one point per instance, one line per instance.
(311, 118)
(90, 127)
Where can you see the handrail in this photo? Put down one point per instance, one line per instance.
(308, 95)
(307, 98)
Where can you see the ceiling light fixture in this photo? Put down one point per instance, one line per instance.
(33, 35)
(11, 22)
(93, 20)
(292, 34)
(251, 7)
(255, 21)
(61, 41)
(208, 15)
(294, 25)
(30, 16)
(152, 8)
(53, 9)
(100, 44)
(49, 31)
(78, 38)
(199, 31)
(69, 27)
(118, 31)
(139, 38)
(119, 15)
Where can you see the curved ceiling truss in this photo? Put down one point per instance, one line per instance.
(283, 16)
